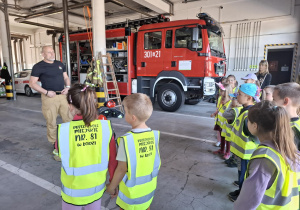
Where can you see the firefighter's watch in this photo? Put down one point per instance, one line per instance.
(68, 86)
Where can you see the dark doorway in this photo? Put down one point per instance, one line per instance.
(280, 64)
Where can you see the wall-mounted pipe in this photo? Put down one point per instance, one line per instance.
(248, 47)
(228, 62)
(239, 46)
(236, 42)
(258, 40)
(244, 47)
(253, 44)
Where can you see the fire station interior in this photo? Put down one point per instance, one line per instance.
(172, 50)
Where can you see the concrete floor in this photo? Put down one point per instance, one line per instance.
(191, 177)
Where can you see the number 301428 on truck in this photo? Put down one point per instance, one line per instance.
(171, 61)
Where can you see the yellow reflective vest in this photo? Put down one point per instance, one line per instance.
(136, 190)
(220, 117)
(84, 153)
(241, 145)
(296, 128)
(229, 126)
(283, 194)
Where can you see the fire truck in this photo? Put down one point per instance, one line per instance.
(173, 62)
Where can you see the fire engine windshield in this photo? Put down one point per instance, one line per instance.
(216, 43)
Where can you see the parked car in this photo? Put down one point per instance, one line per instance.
(22, 83)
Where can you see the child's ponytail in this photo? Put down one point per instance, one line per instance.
(283, 135)
(83, 98)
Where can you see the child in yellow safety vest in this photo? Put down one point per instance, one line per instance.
(226, 90)
(218, 104)
(231, 115)
(87, 150)
(272, 176)
(234, 84)
(287, 95)
(138, 157)
(243, 143)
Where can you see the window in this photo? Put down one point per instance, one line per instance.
(169, 37)
(152, 40)
(183, 39)
(215, 43)
(23, 74)
(17, 75)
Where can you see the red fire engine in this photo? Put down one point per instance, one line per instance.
(170, 61)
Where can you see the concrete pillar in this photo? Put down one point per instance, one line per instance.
(6, 43)
(21, 54)
(67, 38)
(99, 37)
(16, 54)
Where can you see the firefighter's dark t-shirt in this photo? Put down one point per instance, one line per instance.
(50, 74)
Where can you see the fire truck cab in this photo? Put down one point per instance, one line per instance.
(172, 62)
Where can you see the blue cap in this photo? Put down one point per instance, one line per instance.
(249, 89)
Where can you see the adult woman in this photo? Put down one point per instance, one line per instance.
(263, 75)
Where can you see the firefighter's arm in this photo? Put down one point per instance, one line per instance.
(33, 84)
(67, 83)
(118, 176)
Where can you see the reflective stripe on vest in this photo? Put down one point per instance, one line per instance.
(241, 145)
(230, 126)
(88, 181)
(221, 119)
(284, 190)
(131, 180)
(296, 124)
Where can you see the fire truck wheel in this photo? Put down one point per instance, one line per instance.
(170, 97)
(28, 91)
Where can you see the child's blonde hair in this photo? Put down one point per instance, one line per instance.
(139, 105)
(290, 90)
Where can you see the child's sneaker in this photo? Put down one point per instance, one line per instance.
(219, 152)
(55, 155)
(218, 144)
(236, 183)
(57, 158)
(226, 156)
(232, 165)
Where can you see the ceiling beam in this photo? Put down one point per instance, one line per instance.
(158, 6)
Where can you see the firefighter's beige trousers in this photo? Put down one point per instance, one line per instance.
(51, 107)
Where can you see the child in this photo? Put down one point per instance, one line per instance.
(242, 143)
(287, 95)
(225, 104)
(219, 98)
(234, 84)
(138, 157)
(271, 178)
(268, 93)
(87, 150)
(231, 115)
